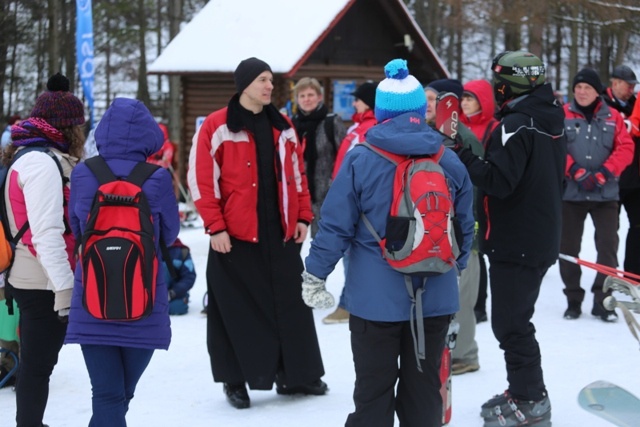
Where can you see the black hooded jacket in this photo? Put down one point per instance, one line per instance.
(520, 181)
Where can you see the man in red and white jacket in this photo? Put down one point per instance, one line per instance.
(247, 178)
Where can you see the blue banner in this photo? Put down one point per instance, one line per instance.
(84, 51)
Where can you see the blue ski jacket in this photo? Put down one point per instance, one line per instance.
(373, 290)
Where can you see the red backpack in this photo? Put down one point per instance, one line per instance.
(420, 238)
(118, 255)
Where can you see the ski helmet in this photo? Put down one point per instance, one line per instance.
(516, 73)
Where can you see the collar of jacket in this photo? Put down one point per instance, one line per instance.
(234, 117)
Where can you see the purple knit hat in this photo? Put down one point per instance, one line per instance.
(59, 107)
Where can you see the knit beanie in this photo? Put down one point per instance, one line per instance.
(57, 106)
(247, 71)
(366, 92)
(399, 93)
(590, 77)
(446, 85)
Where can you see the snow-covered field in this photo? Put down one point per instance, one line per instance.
(177, 389)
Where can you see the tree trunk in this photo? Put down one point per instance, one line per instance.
(175, 114)
(143, 85)
(53, 43)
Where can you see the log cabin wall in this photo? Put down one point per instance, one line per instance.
(356, 48)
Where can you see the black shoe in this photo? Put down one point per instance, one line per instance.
(574, 311)
(481, 316)
(237, 395)
(315, 388)
(605, 315)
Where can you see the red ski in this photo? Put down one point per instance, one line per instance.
(445, 371)
(447, 113)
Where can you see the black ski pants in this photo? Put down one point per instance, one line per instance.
(630, 199)
(41, 338)
(514, 292)
(376, 348)
(605, 221)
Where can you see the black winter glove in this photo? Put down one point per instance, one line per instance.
(455, 144)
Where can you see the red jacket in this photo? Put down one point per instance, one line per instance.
(355, 135)
(223, 178)
(478, 123)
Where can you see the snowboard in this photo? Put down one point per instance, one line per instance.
(611, 402)
(447, 113)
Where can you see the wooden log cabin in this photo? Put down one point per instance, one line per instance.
(335, 41)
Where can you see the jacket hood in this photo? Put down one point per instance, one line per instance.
(128, 131)
(542, 106)
(407, 134)
(483, 91)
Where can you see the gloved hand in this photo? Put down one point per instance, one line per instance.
(62, 302)
(585, 179)
(63, 315)
(455, 144)
(314, 292)
(602, 175)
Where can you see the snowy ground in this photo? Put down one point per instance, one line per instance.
(177, 389)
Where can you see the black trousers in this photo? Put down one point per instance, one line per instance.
(630, 199)
(514, 292)
(41, 338)
(605, 221)
(376, 348)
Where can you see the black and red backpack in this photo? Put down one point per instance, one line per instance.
(118, 255)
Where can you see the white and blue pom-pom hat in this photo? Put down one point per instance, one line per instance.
(399, 93)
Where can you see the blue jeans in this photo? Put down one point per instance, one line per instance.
(114, 373)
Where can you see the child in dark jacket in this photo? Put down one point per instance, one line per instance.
(185, 277)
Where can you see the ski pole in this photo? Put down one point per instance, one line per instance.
(604, 269)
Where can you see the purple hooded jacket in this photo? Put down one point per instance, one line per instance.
(126, 135)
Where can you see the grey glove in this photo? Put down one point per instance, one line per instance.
(314, 292)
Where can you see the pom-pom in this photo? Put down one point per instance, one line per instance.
(396, 69)
(58, 83)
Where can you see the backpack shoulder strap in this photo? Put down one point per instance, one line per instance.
(141, 172)
(393, 158)
(437, 156)
(100, 169)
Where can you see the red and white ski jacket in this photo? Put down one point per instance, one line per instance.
(44, 258)
(223, 178)
(362, 122)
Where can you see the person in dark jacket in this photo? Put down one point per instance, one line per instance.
(117, 352)
(620, 96)
(185, 277)
(320, 149)
(520, 183)
(600, 148)
(375, 294)
(248, 183)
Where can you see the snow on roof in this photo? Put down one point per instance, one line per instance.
(225, 32)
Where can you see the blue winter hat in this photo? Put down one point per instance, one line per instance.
(399, 93)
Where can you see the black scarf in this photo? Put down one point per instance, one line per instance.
(589, 110)
(307, 127)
